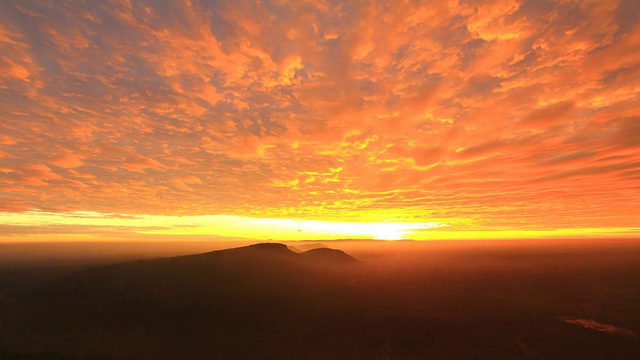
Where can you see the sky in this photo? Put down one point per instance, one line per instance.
(319, 119)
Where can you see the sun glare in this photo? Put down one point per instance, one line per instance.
(390, 234)
(222, 225)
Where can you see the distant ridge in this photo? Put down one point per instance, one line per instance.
(267, 246)
(276, 248)
(310, 246)
(322, 254)
(329, 255)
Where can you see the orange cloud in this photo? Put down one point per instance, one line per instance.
(68, 161)
(503, 115)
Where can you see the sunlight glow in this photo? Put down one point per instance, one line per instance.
(419, 120)
(92, 226)
(111, 225)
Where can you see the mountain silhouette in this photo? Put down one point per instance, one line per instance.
(210, 305)
(329, 255)
(260, 270)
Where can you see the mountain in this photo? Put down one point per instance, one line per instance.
(268, 272)
(327, 255)
(306, 246)
(217, 304)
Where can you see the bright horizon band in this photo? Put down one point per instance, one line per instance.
(307, 119)
(92, 226)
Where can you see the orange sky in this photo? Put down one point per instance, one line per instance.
(448, 119)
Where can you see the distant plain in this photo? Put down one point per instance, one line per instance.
(555, 299)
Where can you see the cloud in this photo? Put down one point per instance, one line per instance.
(67, 161)
(549, 114)
(492, 114)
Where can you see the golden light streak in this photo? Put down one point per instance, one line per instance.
(218, 225)
(83, 225)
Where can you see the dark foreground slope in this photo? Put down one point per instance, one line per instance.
(234, 303)
(402, 301)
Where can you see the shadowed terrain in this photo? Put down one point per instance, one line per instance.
(401, 300)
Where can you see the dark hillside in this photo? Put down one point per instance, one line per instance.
(230, 296)
(408, 301)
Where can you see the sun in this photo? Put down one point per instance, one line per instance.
(232, 226)
(375, 230)
(389, 234)
(384, 230)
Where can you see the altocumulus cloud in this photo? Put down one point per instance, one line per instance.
(480, 114)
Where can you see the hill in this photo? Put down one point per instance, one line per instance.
(327, 255)
(152, 308)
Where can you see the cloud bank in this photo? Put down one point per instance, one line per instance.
(484, 115)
